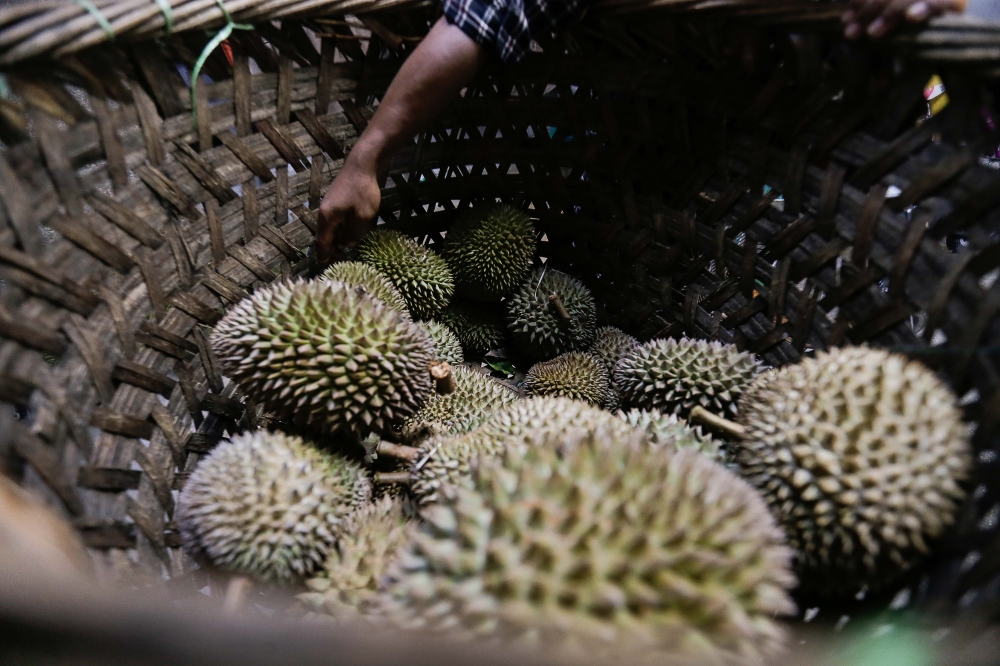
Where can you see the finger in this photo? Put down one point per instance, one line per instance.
(922, 10)
(853, 30)
(891, 16)
(326, 231)
(869, 11)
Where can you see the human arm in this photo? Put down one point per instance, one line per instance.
(433, 75)
(876, 18)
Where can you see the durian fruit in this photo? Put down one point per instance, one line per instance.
(860, 453)
(536, 321)
(611, 345)
(369, 542)
(422, 277)
(673, 376)
(325, 355)
(490, 251)
(446, 344)
(475, 398)
(598, 543)
(268, 506)
(666, 430)
(572, 375)
(478, 328)
(448, 460)
(371, 280)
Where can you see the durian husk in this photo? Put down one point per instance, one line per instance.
(370, 279)
(673, 376)
(268, 506)
(599, 545)
(860, 454)
(489, 250)
(448, 459)
(369, 542)
(572, 375)
(611, 345)
(447, 346)
(420, 275)
(535, 326)
(478, 328)
(666, 430)
(325, 355)
(475, 398)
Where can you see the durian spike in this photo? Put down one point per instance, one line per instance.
(560, 309)
(444, 382)
(706, 418)
(386, 478)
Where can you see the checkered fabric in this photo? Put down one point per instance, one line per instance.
(506, 27)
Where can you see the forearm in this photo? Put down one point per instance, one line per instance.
(428, 81)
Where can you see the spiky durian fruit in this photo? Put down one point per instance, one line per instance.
(325, 355)
(860, 453)
(422, 277)
(611, 345)
(600, 543)
(268, 506)
(535, 320)
(370, 279)
(673, 376)
(446, 344)
(350, 577)
(572, 375)
(475, 398)
(449, 459)
(489, 250)
(478, 329)
(666, 430)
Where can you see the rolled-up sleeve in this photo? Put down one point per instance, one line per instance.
(506, 27)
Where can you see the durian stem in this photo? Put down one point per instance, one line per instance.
(704, 417)
(236, 592)
(398, 451)
(560, 309)
(444, 380)
(387, 478)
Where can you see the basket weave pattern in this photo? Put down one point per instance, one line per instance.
(701, 182)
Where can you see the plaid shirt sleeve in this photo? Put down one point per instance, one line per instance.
(507, 27)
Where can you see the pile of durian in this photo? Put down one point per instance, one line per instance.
(418, 479)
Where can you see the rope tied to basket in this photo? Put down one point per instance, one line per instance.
(220, 37)
(101, 19)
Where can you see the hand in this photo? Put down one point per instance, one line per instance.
(347, 209)
(878, 17)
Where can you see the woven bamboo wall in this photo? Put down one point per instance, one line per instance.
(643, 147)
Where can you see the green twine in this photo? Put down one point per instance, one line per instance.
(99, 17)
(4, 87)
(168, 14)
(220, 37)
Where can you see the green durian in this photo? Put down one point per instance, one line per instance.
(446, 344)
(478, 328)
(598, 544)
(535, 324)
(611, 345)
(490, 249)
(476, 397)
(325, 355)
(673, 376)
(572, 375)
(667, 430)
(860, 454)
(448, 460)
(369, 542)
(420, 275)
(268, 506)
(370, 279)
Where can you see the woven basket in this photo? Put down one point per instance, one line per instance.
(725, 170)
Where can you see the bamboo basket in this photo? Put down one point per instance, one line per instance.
(727, 169)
